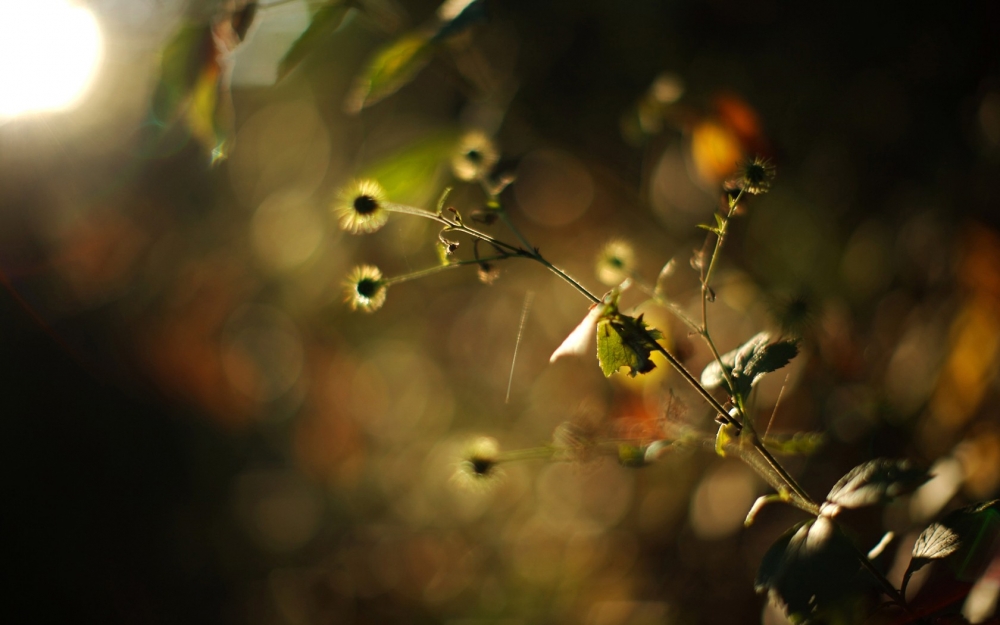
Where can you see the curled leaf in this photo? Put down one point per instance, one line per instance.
(873, 482)
(749, 363)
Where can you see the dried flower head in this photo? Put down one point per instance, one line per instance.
(615, 262)
(755, 175)
(488, 273)
(474, 157)
(360, 207)
(479, 467)
(365, 288)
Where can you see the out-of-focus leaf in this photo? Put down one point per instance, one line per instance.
(624, 341)
(750, 362)
(966, 539)
(773, 562)
(390, 69)
(326, 20)
(183, 61)
(413, 174)
(193, 85)
(873, 482)
(810, 569)
(458, 15)
(798, 444)
(242, 20)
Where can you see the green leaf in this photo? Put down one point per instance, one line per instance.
(811, 569)
(182, 62)
(413, 174)
(326, 20)
(873, 482)
(965, 540)
(624, 341)
(798, 444)
(193, 88)
(728, 432)
(390, 69)
(749, 363)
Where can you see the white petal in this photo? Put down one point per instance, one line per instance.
(579, 339)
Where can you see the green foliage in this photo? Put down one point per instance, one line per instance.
(874, 482)
(797, 444)
(390, 69)
(749, 363)
(717, 228)
(182, 62)
(413, 174)
(193, 85)
(324, 22)
(624, 341)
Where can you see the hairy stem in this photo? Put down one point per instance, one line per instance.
(706, 289)
(439, 268)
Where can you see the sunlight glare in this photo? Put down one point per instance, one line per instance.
(49, 53)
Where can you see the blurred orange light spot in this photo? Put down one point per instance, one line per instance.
(715, 150)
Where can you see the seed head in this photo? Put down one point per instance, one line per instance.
(474, 157)
(365, 289)
(360, 207)
(479, 467)
(615, 262)
(755, 175)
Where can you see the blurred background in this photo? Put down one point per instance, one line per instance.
(196, 429)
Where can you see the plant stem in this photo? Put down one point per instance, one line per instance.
(774, 468)
(566, 277)
(532, 253)
(706, 289)
(438, 268)
(887, 587)
(532, 453)
(662, 301)
(505, 218)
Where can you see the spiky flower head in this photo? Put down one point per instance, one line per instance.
(479, 467)
(360, 207)
(755, 175)
(615, 262)
(365, 288)
(474, 157)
